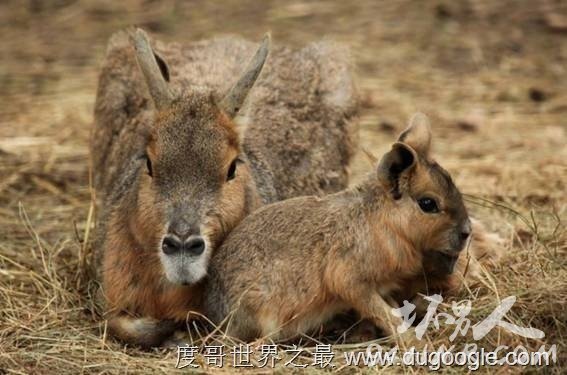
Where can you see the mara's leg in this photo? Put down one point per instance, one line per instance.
(145, 332)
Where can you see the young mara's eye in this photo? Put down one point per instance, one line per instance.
(149, 166)
(232, 169)
(428, 205)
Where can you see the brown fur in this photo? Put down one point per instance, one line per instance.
(310, 258)
(191, 143)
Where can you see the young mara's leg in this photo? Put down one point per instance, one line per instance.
(366, 300)
(242, 324)
(145, 332)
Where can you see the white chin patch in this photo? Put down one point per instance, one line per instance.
(185, 269)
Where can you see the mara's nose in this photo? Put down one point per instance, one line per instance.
(182, 229)
(466, 231)
(194, 245)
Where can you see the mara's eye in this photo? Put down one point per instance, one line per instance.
(232, 170)
(149, 166)
(428, 205)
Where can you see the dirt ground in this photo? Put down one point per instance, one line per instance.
(492, 76)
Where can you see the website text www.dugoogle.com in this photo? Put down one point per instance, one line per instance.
(470, 356)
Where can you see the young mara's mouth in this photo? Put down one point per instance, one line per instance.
(448, 253)
(441, 263)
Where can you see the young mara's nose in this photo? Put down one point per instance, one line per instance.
(194, 245)
(466, 230)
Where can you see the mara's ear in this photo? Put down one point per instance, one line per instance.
(153, 68)
(233, 100)
(400, 159)
(163, 68)
(417, 134)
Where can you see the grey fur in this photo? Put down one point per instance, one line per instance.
(300, 114)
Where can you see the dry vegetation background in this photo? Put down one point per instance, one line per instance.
(492, 75)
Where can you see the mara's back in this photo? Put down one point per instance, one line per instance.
(302, 118)
(298, 130)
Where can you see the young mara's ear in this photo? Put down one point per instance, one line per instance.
(417, 134)
(392, 165)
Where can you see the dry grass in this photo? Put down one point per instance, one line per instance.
(490, 74)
